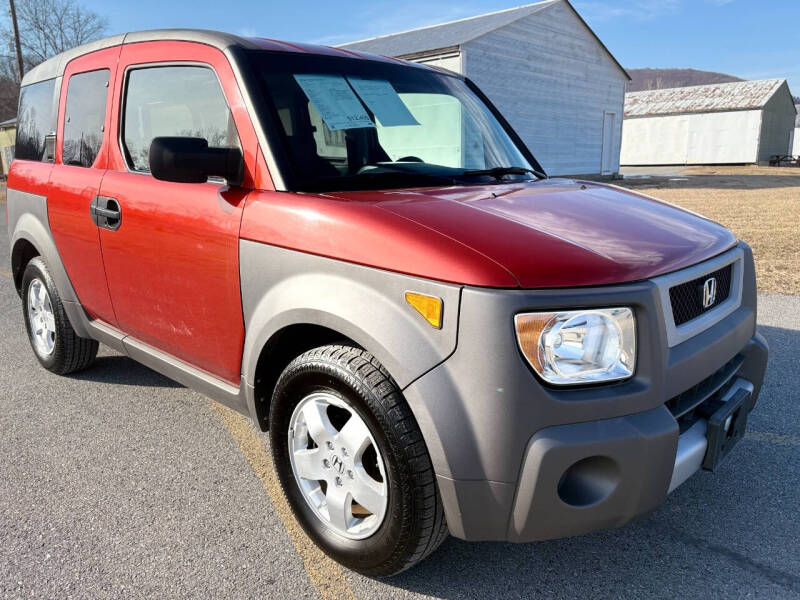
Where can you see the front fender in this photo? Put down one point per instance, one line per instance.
(283, 287)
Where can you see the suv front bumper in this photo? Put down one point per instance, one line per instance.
(520, 461)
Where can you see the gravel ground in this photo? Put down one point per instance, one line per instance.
(117, 483)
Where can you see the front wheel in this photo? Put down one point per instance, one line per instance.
(352, 462)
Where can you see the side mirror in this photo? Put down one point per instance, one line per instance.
(190, 160)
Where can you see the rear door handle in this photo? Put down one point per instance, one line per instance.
(106, 212)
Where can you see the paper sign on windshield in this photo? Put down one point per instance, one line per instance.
(335, 101)
(382, 99)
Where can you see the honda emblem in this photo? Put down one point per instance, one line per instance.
(709, 292)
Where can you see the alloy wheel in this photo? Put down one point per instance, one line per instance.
(41, 318)
(338, 466)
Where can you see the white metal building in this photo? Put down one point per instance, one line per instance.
(544, 69)
(726, 123)
(794, 147)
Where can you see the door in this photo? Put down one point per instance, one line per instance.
(171, 252)
(609, 159)
(81, 158)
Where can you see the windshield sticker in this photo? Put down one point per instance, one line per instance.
(382, 99)
(335, 101)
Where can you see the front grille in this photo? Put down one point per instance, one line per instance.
(687, 298)
(684, 406)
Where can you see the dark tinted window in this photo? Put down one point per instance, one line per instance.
(352, 124)
(84, 118)
(35, 119)
(174, 101)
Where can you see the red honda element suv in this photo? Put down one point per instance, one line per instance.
(361, 255)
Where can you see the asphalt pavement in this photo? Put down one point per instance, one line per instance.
(118, 483)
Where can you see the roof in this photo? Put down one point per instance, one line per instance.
(797, 118)
(456, 33)
(9, 123)
(54, 67)
(452, 33)
(717, 97)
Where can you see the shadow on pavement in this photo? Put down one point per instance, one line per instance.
(122, 370)
(733, 533)
(733, 182)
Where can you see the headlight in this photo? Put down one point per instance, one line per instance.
(579, 346)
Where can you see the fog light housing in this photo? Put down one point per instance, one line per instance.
(579, 346)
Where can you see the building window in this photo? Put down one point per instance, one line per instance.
(85, 117)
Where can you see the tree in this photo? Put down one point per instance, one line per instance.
(46, 28)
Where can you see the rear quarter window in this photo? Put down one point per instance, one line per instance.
(84, 117)
(35, 120)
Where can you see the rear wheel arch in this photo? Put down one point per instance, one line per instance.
(31, 232)
(21, 254)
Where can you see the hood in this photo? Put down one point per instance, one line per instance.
(562, 232)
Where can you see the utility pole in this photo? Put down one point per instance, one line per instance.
(16, 38)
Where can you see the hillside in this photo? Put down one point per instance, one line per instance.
(659, 79)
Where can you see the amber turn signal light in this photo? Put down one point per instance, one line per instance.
(430, 307)
(529, 330)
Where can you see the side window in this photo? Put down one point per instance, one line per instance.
(84, 117)
(35, 120)
(184, 101)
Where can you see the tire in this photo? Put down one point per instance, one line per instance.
(413, 524)
(63, 351)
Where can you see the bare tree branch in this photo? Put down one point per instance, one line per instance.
(46, 28)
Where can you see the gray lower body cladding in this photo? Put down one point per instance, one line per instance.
(503, 443)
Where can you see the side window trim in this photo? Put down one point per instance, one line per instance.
(124, 99)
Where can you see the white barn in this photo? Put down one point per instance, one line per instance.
(794, 147)
(745, 122)
(544, 69)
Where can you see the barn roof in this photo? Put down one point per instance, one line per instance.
(717, 97)
(456, 33)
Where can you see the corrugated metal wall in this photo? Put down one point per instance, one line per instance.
(554, 83)
(776, 124)
(700, 138)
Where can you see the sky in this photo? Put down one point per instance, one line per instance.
(752, 39)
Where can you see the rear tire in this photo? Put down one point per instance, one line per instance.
(412, 523)
(56, 345)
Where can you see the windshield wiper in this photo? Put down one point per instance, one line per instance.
(392, 168)
(402, 177)
(500, 172)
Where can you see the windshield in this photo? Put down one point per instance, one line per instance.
(349, 124)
